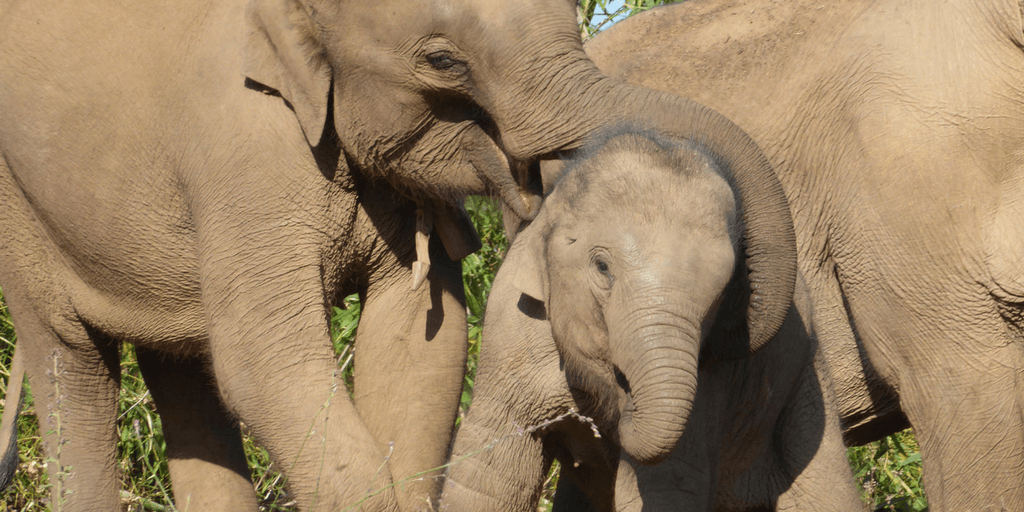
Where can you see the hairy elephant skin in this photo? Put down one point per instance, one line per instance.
(895, 129)
(639, 251)
(206, 179)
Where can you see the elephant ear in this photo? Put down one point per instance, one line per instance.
(527, 259)
(282, 53)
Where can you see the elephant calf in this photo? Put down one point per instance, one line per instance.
(624, 301)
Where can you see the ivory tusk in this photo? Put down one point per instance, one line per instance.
(420, 268)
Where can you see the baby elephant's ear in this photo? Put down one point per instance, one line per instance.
(526, 259)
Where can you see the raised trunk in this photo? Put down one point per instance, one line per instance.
(657, 358)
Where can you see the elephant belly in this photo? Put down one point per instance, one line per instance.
(132, 281)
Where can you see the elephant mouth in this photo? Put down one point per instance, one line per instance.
(513, 178)
(625, 392)
(626, 404)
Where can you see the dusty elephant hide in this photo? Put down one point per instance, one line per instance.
(895, 129)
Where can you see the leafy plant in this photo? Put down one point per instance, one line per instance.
(145, 476)
(344, 322)
(889, 473)
(478, 271)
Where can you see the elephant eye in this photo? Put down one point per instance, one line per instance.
(442, 60)
(601, 276)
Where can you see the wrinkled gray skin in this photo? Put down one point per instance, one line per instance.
(205, 179)
(895, 128)
(627, 283)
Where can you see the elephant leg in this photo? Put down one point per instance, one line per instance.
(274, 366)
(204, 448)
(810, 450)
(75, 377)
(868, 407)
(409, 367)
(74, 373)
(967, 413)
(285, 388)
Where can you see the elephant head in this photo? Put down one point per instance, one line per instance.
(635, 256)
(428, 94)
(444, 98)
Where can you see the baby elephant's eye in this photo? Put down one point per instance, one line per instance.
(601, 276)
(442, 60)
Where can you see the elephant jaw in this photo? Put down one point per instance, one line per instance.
(456, 160)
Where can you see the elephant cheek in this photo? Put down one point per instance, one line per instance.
(447, 160)
(461, 159)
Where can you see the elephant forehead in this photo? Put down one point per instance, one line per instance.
(655, 249)
(439, 17)
(650, 200)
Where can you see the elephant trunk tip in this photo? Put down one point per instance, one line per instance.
(650, 448)
(653, 417)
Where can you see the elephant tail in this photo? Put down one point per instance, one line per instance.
(9, 423)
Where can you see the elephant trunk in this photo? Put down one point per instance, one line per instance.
(491, 470)
(769, 237)
(576, 102)
(770, 240)
(656, 368)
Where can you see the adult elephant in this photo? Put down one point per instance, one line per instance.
(895, 129)
(205, 179)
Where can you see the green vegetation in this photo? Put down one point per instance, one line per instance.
(889, 473)
(595, 15)
(478, 271)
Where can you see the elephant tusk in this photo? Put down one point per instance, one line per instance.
(420, 267)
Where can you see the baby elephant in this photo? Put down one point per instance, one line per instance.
(651, 303)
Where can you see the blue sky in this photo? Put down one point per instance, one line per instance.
(613, 5)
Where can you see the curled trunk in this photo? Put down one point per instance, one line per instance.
(768, 226)
(657, 358)
(494, 467)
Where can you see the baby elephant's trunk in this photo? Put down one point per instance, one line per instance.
(656, 367)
